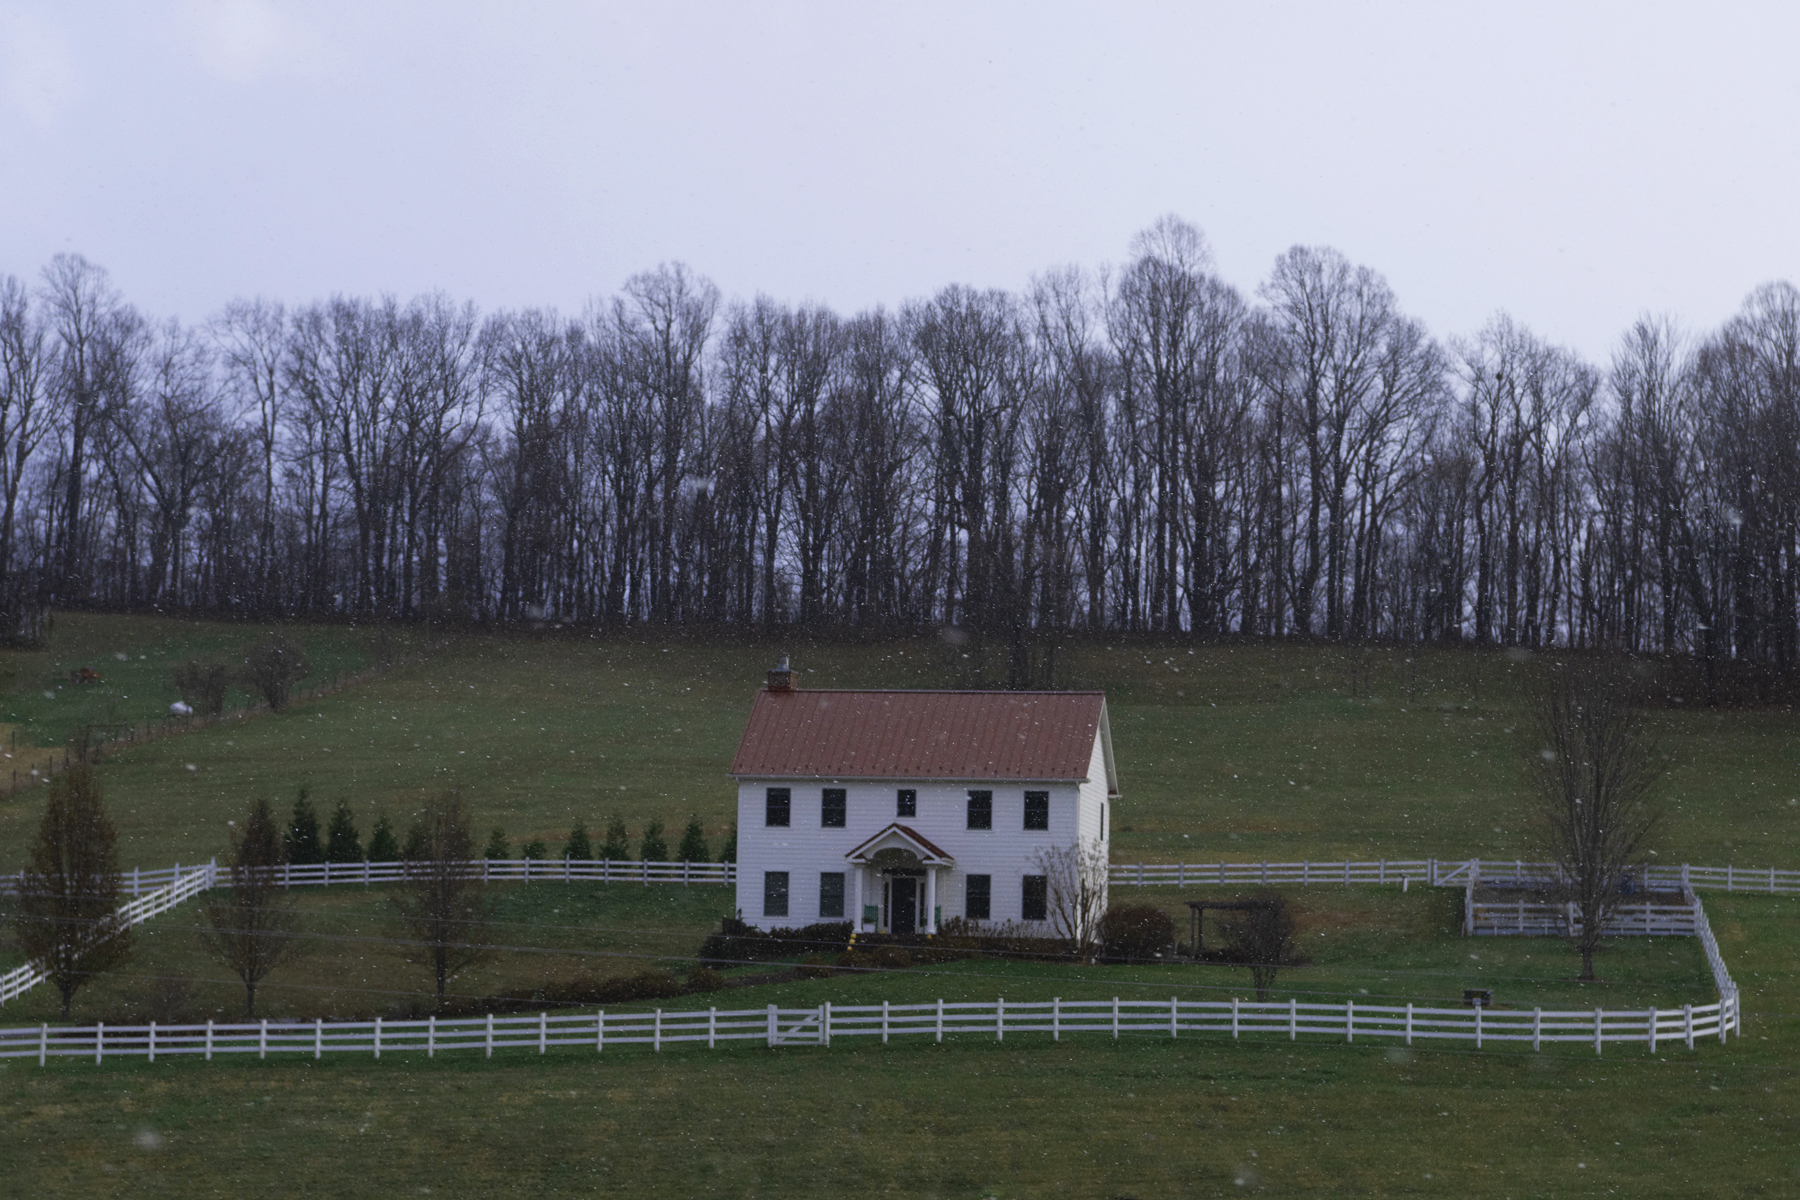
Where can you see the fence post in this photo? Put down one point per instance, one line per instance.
(1140, 874)
(543, 1032)
(1409, 1022)
(772, 1023)
(1221, 873)
(1055, 1017)
(646, 872)
(1537, 1028)
(44, 1041)
(1652, 1030)
(100, 1036)
(377, 1037)
(318, 1037)
(1383, 871)
(940, 1019)
(1116, 1017)
(1350, 1021)
(1234, 1017)
(825, 1023)
(1687, 1021)
(262, 1040)
(1305, 872)
(599, 1031)
(153, 1041)
(1265, 872)
(712, 1025)
(1478, 1008)
(884, 1022)
(1596, 1031)
(1181, 876)
(1000, 1020)
(1293, 1019)
(490, 1035)
(1174, 1014)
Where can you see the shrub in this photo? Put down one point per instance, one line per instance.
(273, 666)
(342, 843)
(1136, 933)
(892, 958)
(382, 846)
(728, 852)
(497, 847)
(737, 942)
(860, 960)
(693, 843)
(304, 846)
(202, 685)
(618, 843)
(816, 966)
(535, 850)
(704, 979)
(655, 845)
(578, 847)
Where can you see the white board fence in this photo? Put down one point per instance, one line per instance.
(1438, 872)
(184, 887)
(1652, 1028)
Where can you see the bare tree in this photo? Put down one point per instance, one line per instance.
(1075, 878)
(252, 927)
(273, 666)
(1260, 934)
(443, 901)
(67, 920)
(1595, 766)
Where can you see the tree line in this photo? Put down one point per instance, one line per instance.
(1139, 449)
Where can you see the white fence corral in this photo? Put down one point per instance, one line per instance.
(1439, 872)
(772, 1026)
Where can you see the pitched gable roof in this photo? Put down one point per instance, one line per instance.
(924, 735)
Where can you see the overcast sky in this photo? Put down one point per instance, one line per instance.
(1574, 169)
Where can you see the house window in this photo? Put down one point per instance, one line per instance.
(1037, 810)
(981, 810)
(831, 808)
(908, 804)
(831, 893)
(775, 811)
(978, 897)
(775, 893)
(1037, 898)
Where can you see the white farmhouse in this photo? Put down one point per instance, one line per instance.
(899, 810)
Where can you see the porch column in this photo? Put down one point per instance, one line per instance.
(931, 899)
(856, 913)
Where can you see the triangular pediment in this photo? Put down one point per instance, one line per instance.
(901, 837)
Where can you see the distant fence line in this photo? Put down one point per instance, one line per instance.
(775, 1026)
(1439, 872)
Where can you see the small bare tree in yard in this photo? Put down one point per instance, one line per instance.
(443, 902)
(252, 925)
(202, 685)
(67, 919)
(1075, 884)
(1260, 934)
(273, 666)
(1595, 766)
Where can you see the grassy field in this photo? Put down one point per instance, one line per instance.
(1086, 1117)
(1242, 752)
(1238, 752)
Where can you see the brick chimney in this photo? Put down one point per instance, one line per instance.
(781, 679)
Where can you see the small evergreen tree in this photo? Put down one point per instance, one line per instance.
(693, 843)
(728, 852)
(382, 846)
(66, 913)
(497, 847)
(535, 850)
(416, 844)
(655, 845)
(343, 844)
(618, 843)
(578, 846)
(304, 845)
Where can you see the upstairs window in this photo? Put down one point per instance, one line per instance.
(1036, 906)
(776, 807)
(981, 810)
(1037, 810)
(978, 897)
(831, 808)
(908, 803)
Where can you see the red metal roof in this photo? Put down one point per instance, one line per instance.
(921, 735)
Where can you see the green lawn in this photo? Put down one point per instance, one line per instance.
(1238, 752)
(1087, 1117)
(1241, 752)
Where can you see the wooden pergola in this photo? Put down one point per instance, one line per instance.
(1197, 909)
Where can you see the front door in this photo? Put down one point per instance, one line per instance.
(904, 914)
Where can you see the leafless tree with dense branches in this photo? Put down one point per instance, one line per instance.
(251, 924)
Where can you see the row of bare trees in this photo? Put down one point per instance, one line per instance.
(1139, 449)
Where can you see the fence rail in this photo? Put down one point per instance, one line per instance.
(1440, 872)
(1500, 918)
(774, 1026)
(197, 879)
